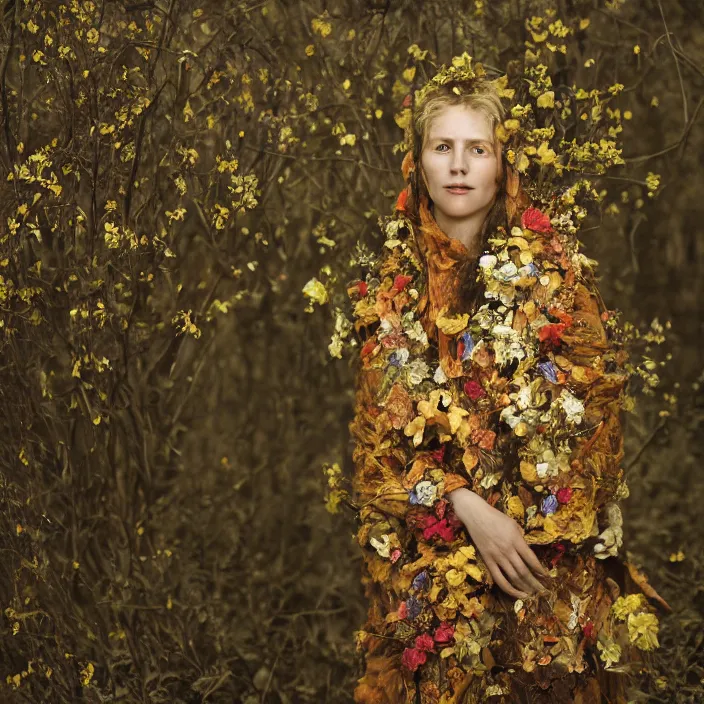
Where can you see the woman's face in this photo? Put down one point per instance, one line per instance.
(459, 151)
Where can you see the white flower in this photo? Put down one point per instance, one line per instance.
(416, 371)
(507, 272)
(439, 377)
(385, 326)
(487, 261)
(426, 492)
(383, 546)
(508, 416)
(402, 355)
(572, 406)
(612, 537)
(505, 352)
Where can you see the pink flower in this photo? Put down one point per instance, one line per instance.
(413, 658)
(425, 642)
(402, 610)
(474, 390)
(444, 633)
(564, 494)
(395, 554)
(536, 220)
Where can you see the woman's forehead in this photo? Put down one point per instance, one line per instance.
(459, 122)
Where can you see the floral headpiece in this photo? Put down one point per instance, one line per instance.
(533, 131)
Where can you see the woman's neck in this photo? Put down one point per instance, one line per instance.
(469, 231)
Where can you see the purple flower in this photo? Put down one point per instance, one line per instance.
(394, 360)
(420, 581)
(413, 607)
(468, 345)
(549, 505)
(548, 371)
(413, 498)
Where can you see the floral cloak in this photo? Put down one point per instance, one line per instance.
(519, 401)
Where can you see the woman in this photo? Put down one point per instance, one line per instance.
(487, 437)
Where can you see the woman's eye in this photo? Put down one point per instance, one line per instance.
(481, 149)
(442, 145)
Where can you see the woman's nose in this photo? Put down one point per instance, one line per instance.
(459, 165)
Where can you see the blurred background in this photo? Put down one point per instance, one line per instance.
(173, 173)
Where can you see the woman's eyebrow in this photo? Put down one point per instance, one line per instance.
(475, 140)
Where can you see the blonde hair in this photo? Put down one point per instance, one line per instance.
(485, 99)
(478, 94)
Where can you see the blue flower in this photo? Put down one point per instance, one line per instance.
(413, 607)
(421, 580)
(394, 360)
(548, 371)
(549, 505)
(413, 498)
(468, 345)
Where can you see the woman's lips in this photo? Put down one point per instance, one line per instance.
(458, 191)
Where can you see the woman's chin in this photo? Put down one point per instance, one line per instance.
(455, 211)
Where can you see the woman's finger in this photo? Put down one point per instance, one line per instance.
(531, 559)
(524, 572)
(514, 577)
(503, 584)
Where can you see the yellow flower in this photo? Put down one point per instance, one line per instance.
(451, 325)
(321, 25)
(315, 290)
(545, 154)
(643, 630)
(547, 100)
(625, 605)
(515, 508)
(609, 651)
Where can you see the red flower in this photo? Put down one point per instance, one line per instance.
(432, 526)
(369, 346)
(474, 390)
(588, 630)
(564, 494)
(401, 281)
(552, 333)
(440, 507)
(561, 315)
(439, 454)
(402, 610)
(559, 552)
(406, 101)
(444, 633)
(413, 658)
(402, 199)
(362, 288)
(425, 642)
(536, 220)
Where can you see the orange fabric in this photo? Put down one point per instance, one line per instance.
(446, 259)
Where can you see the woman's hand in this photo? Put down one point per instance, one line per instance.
(499, 539)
